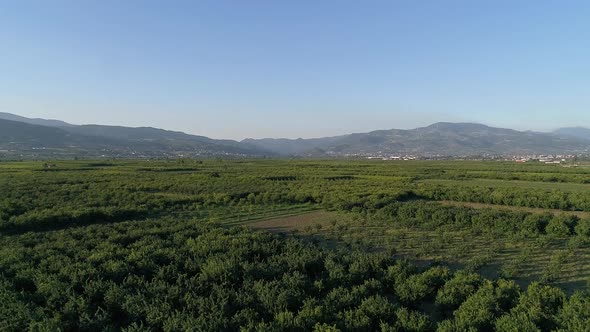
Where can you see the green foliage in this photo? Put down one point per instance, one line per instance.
(583, 228)
(535, 310)
(419, 287)
(147, 246)
(412, 321)
(517, 322)
(535, 224)
(457, 290)
(562, 225)
(575, 313)
(480, 310)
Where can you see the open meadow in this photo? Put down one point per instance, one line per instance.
(275, 245)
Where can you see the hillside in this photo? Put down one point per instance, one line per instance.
(40, 122)
(39, 138)
(440, 139)
(26, 140)
(24, 135)
(575, 132)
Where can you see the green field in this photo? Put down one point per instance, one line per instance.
(219, 245)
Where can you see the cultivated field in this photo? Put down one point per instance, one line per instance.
(528, 224)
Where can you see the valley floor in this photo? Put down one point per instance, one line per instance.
(132, 225)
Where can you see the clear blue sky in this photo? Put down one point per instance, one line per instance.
(235, 69)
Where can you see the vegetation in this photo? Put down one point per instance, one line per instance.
(169, 245)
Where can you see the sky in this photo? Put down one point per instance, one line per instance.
(253, 69)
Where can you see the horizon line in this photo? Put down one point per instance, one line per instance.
(291, 138)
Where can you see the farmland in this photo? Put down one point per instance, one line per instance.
(296, 245)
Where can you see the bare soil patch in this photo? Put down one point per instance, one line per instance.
(295, 223)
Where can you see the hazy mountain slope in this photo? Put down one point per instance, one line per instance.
(21, 138)
(154, 136)
(469, 139)
(57, 138)
(447, 139)
(576, 132)
(291, 146)
(140, 133)
(23, 134)
(40, 122)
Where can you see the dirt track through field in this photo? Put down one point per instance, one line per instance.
(294, 223)
(581, 214)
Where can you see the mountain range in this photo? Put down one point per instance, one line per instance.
(439, 139)
(22, 137)
(39, 138)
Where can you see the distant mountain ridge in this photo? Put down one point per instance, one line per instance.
(439, 139)
(575, 132)
(39, 138)
(40, 122)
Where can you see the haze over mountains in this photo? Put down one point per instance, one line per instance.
(575, 132)
(439, 139)
(22, 137)
(31, 138)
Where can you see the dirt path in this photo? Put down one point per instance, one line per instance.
(581, 214)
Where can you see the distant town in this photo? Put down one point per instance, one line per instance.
(557, 159)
